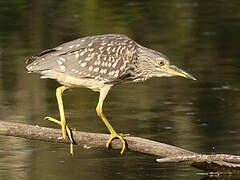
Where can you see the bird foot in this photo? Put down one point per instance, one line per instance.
(66, 131)
(119, 136)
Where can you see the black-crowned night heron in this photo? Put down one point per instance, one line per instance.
(100, 62)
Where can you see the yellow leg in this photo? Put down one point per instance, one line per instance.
(66, 131)
(114, 135)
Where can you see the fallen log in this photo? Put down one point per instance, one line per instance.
(220, 163)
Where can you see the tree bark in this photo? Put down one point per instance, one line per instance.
(221, 163)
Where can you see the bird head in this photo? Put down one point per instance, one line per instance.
(155, 64)
(164, 68)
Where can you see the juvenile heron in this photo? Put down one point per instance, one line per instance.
(98, 63)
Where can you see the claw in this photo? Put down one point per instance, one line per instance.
(120, 136)
(53, 120)
(66, 131)
(63, 125)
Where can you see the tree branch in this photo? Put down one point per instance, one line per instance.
(222, 163)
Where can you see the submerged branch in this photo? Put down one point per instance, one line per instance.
(222, 163)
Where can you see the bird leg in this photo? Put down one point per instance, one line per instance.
(103, 94)
(66, 131)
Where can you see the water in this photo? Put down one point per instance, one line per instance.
(202, 37)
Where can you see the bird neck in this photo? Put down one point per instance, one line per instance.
(144, 66)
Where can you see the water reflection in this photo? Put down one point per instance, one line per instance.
(198, 36)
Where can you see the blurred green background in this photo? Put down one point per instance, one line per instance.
(202, 37)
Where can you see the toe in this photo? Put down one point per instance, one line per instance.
(124, 135)
(53, 120)
(120, 136)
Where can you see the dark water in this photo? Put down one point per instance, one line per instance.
(201, 37)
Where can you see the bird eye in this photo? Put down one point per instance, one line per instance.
(161, 62)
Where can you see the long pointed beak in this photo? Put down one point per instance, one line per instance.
(174, 70)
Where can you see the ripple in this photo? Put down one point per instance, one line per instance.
(167, 102)
(224, 87)
(187, 5)
(142, 119)
(168, 127)
(190, 113)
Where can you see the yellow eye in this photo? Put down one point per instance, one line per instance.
(161, 62)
